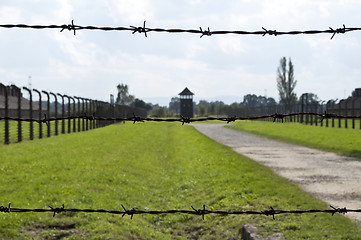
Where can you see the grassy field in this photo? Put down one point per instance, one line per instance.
(25, 129)
(149, 166)
(337, 122)
(339, 140)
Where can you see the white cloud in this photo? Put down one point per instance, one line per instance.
(131, 12)
(231, 44)
(10, 14)
(63, 11)
(81, 53)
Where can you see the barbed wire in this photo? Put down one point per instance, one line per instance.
(201, 212)
(183, 120)
(143, 29)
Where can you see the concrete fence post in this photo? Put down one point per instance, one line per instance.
(40, 108)
(20, 137)
(62, 113)
(56, 112)
(47, 112)
(7, 133)
(79, 111)
(69, 121)
(31, 129)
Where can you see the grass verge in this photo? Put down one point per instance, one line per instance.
(339, 140)
(149, 166)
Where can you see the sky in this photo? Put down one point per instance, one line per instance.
(219, 67)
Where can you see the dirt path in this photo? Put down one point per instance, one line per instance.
(330, 177)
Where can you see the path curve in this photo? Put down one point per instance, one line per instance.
(330, 177)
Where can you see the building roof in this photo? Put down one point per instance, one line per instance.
(186, 92)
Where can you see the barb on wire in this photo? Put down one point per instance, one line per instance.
(205, 32)
(145, 30)
(70, 27)
(137, 119)
(184, 120)
(270, 32)
(200, 212)
(278, 116)
(338, 30)
(140, 29)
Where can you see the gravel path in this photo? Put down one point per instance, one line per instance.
(330, 177)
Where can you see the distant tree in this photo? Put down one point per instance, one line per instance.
(252, 100)
(138, 103)
(309, 100)
(158, 111)
(271, 101)
(123, 96)
(286, 84)
(174, 105)
(202, 111)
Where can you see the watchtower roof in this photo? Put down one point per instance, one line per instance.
(186, 91)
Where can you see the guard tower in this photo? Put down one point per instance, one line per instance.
(186, 103)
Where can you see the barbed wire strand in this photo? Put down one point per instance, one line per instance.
(208, 32)
(183, 120)
(201, 212)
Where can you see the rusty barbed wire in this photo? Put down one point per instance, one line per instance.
(184, 120)
(208, 32)
(193, 211)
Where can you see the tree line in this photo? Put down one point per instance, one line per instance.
(286, 84)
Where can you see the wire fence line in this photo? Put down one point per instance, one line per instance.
(201, 212)
(207, 32)
(183, 120)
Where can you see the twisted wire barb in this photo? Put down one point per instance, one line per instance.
(184, 120)
(208, 32)
(200, 212)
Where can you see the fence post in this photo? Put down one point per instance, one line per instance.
(86, 113)
(62, 113)
(74, 122)
(327, 109)
(7, 134)
(83, 108)
(78, 112)
(302, 107)
(90, 112)
(316, 117)
(30, 113)
(47, 112)
(56, 113)
(339, 113)
(307, 109)
(94, 109)
(97, 113)
(40, 123)
(69, 121)
(19, 116)
(353, 112)
(346, 112)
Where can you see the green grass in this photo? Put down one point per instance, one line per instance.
(339, 140)
(25, 129)
(153, 166)
(337, 122)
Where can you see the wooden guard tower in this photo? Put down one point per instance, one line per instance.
(186, 103)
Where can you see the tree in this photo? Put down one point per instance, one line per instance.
(174, 105)
(286, 84)
(138, 103)
(123, 96)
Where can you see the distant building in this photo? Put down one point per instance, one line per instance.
(186, 103)
(356, 93)
(14, 93)
(347, 107)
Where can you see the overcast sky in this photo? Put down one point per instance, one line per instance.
(219, 67)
